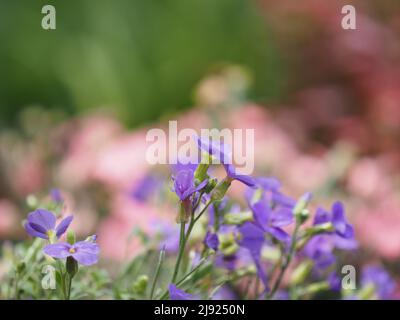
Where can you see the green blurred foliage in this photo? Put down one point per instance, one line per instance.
(141, 58)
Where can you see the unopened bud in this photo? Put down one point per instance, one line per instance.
(238, 218)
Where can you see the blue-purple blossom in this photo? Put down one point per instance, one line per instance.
(42, 223)
(211, 241)
(383, 284)
(272, 221)
(86, 253)
(231, 173)
(320, 250)
(184, 185)
(337, 217)
(177, 294)
(252, 238)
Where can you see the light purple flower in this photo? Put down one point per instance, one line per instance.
(86, 253)
(178, 294)
(42, 223)
(184, 185)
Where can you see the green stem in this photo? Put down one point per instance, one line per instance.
(69, 287)
(278, 281)
(181, 250)
(159, 264)
(184, 278)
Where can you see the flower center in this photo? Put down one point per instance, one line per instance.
(72, 250)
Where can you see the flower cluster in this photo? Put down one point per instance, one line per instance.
(239, 238)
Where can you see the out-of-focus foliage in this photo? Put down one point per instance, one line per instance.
(140, 58)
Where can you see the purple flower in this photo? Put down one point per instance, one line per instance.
(42, 223)
(184, 185)
(271, 221)
(338, 220)
(252, 238)
(220, 151)
(178, 294)
(86, 253)
(231, 173)
(384, 285)
(211, 241)
(320, 250)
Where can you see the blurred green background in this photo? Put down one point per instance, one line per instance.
(142, 59)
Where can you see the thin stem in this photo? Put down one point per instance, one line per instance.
(158, 269)
(182, 243)
(69, 287)
(278, 281)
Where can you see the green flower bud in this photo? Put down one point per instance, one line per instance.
(71, 239)
(185, 210)
(201, 170)
(238, 218)
(140, 285)
(221, 189)
(227, 244)
(71, 265)
(301, 272)
(300, 206)
(211, 185)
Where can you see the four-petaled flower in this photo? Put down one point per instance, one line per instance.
(42, 223)
(184, 185)
(85, 252)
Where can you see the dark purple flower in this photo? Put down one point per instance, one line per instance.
(211, 241)
(86, 253)
(383, 284)
(338, 220)
(42, 223)
(184, 185)
(178, 294)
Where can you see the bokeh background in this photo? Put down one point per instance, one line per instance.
(76, 104)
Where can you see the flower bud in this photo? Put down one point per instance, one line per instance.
(300, 206)
(71, 265)
(201, 170)
(211, 185)
(301, 272)
(221, 189)
(185, 209)
(238, 218)
(140, 285)
(71, 239)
